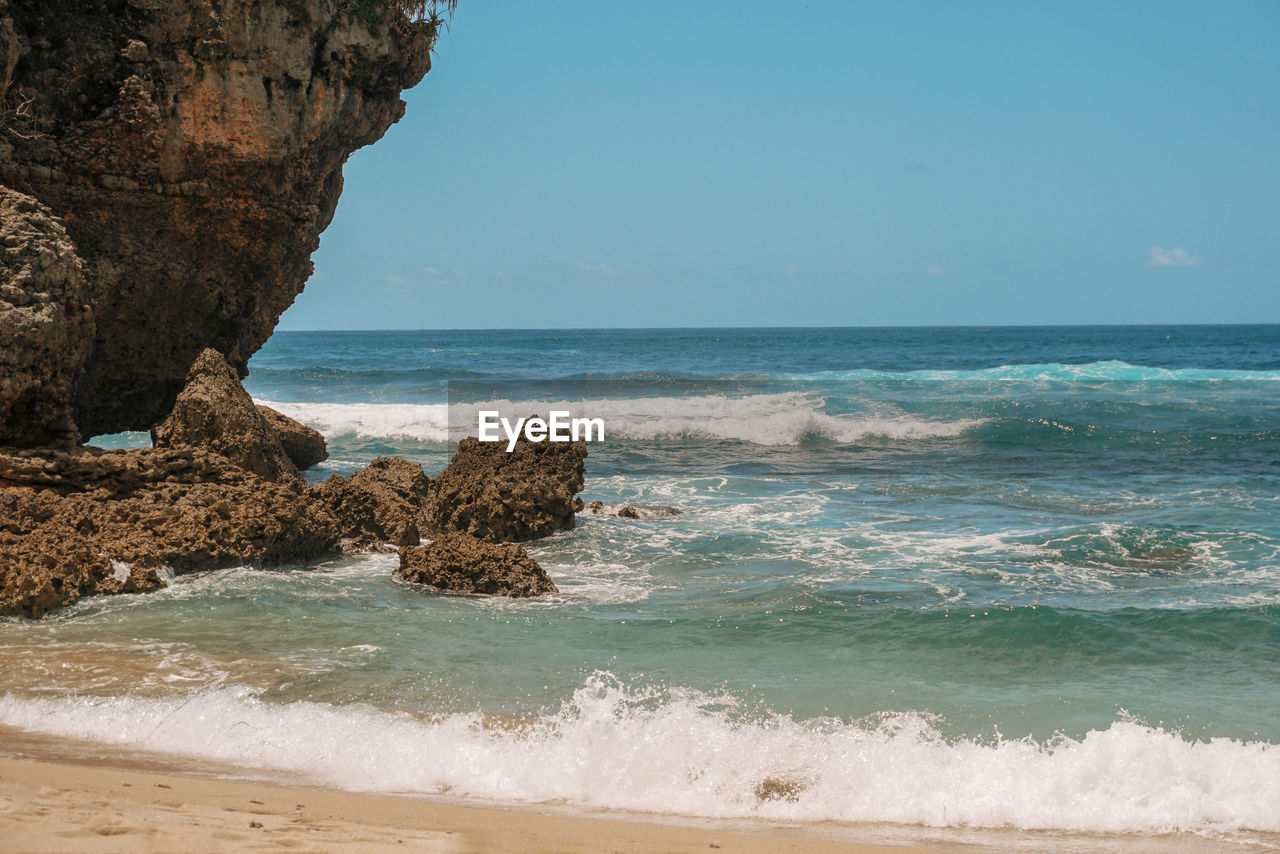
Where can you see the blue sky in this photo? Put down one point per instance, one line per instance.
(598, 164)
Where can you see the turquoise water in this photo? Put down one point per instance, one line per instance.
(957, 577)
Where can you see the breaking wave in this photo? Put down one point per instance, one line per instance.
(679, 751)
(787, 418)
(1107, 371)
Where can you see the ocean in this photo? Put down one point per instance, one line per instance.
(950, 578)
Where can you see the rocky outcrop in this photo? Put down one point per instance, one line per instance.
(461, 563)
(194, 151)
(167, 168)
(215, 412)
(46, 325)
(508, 497)
(303, 445)
(89, 521)
(382, 504)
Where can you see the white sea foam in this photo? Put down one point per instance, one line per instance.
(423, 422)
(786, 418)
(680, 751)
(1105, 371)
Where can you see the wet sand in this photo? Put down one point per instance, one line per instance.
(54, 807)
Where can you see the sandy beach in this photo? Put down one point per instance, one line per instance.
(53, 807)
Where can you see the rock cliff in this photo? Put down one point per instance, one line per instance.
(193, 151)
(46, 325)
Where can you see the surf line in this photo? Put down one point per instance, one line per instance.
(558, 427)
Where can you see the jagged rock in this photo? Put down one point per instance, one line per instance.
(628, 512)
(46, 325)
(194, 152)
(508, 497)
(215, 412)
(461, 563)
(383, 503)
(89, 522)
(303, 445)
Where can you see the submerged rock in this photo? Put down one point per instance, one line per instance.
(89, 522)
(461, 563)
(631, 511)
(509, 497)
(46, 325)
(383, 503)
(303, 445)
(779, 789)
(215, 412)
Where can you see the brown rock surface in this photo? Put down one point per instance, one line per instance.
(508, 497)
(117, 473)
(383, 503)
(46, 325)
(88, 522)
(215, 412)
(460, 563)
(194, 150)
(303, 445)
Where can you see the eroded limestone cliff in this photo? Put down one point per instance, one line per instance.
(193, 151)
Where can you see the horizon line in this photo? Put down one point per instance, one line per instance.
(1175, 325)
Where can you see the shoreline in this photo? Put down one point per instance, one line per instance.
(69, 795)
(48, 806)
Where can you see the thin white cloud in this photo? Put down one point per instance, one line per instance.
(596, 268)
(792, 269)
(1157, 257)
(935, 270)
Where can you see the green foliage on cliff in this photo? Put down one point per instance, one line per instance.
(421, 18)
(423, 9)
